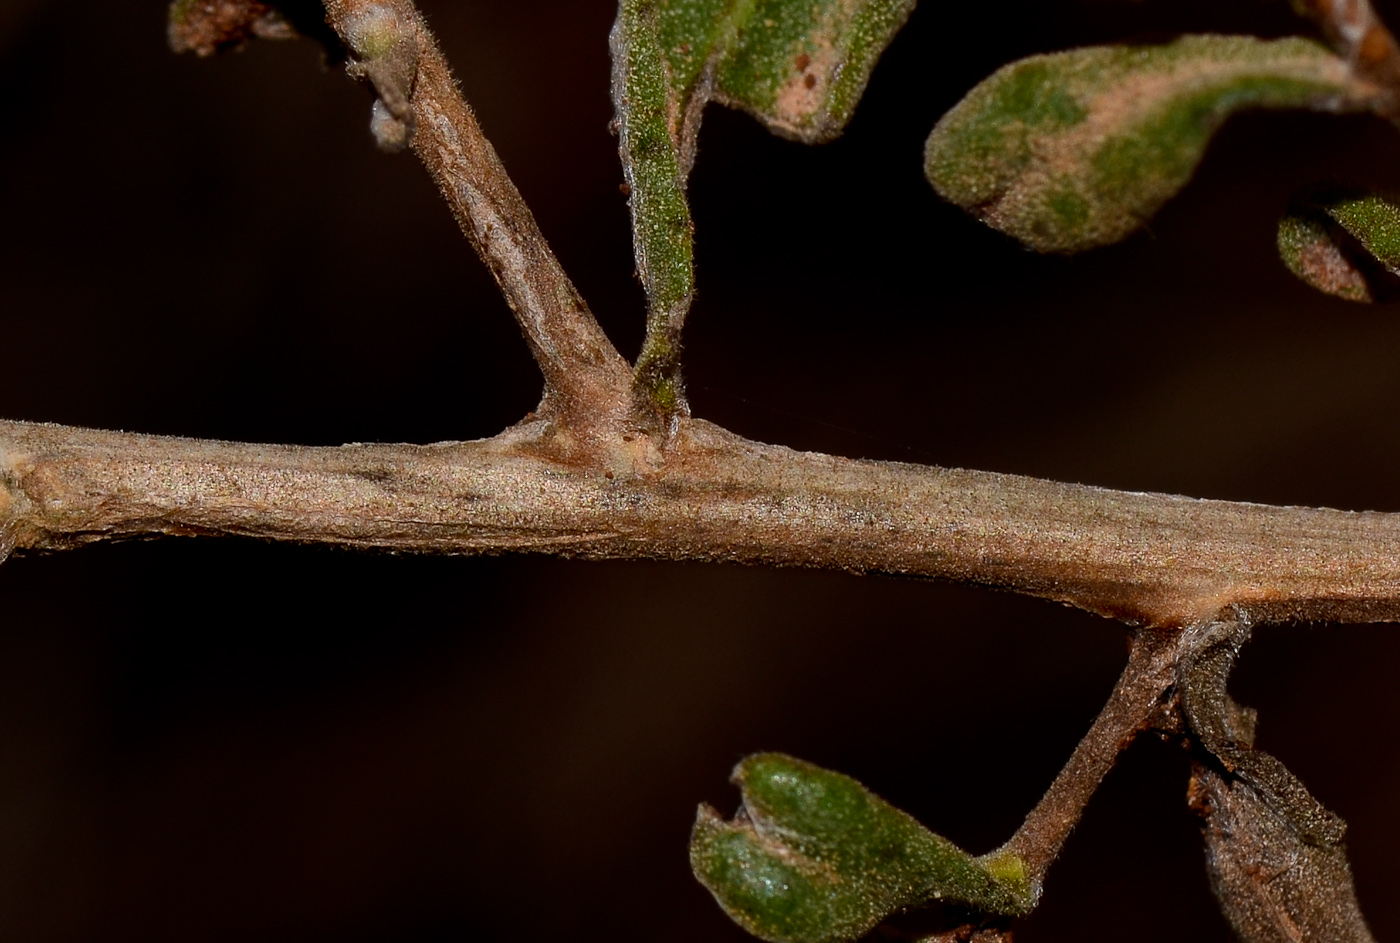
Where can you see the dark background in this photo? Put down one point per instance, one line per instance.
(210, 740)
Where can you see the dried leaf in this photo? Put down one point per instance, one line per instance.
(813, 856)
(1275, 854)
(205, 27)
(1078, 149)
(1273, 884)
(1343, 240)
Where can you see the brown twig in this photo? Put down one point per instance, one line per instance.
(1143, 698)
(587, 383)
(1148, 559)
(1357, 33)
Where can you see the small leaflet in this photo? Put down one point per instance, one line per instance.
(815, 857)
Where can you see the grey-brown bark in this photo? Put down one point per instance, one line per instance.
(1146, 559)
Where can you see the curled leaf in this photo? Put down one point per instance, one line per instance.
(797, 65)
(1274, 884)
(1343, 240)
(1078, 149)
(815, 857)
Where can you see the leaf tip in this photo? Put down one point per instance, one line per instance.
(1344, 241)
(813, 856)
(1073, 150)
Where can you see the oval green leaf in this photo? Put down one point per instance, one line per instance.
(1078, 149)
(815, 857)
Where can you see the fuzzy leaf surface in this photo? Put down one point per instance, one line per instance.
(799, 66)
(815, 857)
(1343, 240)
(1078, 149)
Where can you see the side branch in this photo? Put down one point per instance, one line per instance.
(1143, 698)
(1355, 31)
(1147, 559)
(585, 377)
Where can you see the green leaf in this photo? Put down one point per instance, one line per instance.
(813, 856)
(798, 65)
(1343, 240)
(1078, 149)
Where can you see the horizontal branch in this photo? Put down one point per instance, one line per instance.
(1143, 558)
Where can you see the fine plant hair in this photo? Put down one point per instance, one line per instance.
(1060, 151)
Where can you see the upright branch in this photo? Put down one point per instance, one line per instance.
(419, 104)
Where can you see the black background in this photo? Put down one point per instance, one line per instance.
(221, 740)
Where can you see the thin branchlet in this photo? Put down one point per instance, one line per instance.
(1143, 699)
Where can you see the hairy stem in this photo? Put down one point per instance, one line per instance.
(1146, 559)
(1142, 694)
(585, 377)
